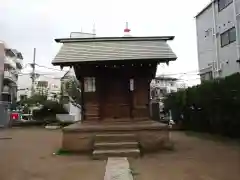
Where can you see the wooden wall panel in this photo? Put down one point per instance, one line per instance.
(113, 98)
(141, 98)
(116, 98)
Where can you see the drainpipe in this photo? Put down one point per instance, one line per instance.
(215, 66)
(237, 28)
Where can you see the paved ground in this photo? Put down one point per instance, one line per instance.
(193, 159)
(118, 169)
(28, 156)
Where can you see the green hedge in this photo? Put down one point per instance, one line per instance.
(213, 106)
(48, 112)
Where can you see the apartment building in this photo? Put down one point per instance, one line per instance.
(49, 88)
(218, 39)
(162, 85)
(13, 63)
(44, 85)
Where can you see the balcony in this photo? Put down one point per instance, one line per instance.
(10, 75)
(19, 63)
(11, 61)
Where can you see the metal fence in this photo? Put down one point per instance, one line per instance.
(4, 114)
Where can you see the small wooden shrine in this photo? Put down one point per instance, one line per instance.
(115, 75)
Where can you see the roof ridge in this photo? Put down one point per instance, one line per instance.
(128, 38)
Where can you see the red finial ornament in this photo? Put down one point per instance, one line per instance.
(126, 30)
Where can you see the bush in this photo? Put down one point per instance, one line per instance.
(48, 112)
(210, 107)
(34, 100)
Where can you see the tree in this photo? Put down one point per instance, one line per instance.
(35, 99)
(72, 88)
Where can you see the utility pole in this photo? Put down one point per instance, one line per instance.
(33, 74)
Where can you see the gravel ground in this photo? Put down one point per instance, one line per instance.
(29, 156)
(193, 159)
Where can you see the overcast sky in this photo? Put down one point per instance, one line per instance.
(25, 24)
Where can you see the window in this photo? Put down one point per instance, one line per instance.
(223, 3)
(232, 35)
(225, 39)
(89, 84)
(206, 76)
(23, 97)
(228, 37)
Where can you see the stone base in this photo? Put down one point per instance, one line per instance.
(151, 135)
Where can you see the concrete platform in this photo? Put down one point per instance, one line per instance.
(104, 126)
(115, 137)
(151, 135)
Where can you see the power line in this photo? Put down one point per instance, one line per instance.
(38, 73)
(180, 80)
(50, 76)
(193, 72)
(50, 68)
(182, 73)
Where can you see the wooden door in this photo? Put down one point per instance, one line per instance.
(116, 98)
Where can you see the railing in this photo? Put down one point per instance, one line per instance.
(19, 62)
(4, 110)
(10, 75)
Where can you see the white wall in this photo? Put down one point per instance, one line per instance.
(225, 19)
(205, 43)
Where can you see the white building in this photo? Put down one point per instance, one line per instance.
(218, 39)
(13, 63)
(49, 84)
(162, 85)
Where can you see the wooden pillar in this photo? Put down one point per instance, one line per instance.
(82, 98)
(131, 97)
(99, 95)
(149, 105)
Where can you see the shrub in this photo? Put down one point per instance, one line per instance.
(48, 112)
(34, 100)
(211, 107)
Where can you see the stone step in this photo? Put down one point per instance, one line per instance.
(114, 138)
(115, 145)
(104, 154)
